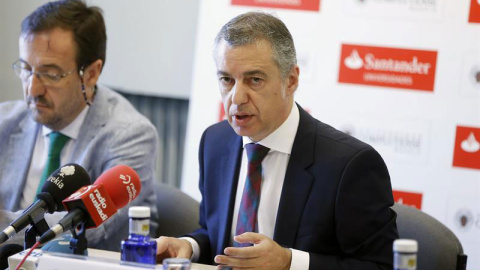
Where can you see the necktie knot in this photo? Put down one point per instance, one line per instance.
(256, 153)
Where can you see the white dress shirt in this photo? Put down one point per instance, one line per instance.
(40, 153)
(274, 167)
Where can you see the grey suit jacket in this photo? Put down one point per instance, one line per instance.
(113, 133)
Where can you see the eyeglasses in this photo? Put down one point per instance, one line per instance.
(24, 72)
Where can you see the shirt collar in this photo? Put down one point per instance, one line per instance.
(282, 138)
(72, 130)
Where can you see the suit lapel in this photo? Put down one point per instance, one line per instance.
(19, 161)
(297, 183)
(94, 121)
(230, 167)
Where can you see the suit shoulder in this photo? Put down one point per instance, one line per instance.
(340, 139)
(219, 133)
(13, 110)
(12, 115)
(121, 111)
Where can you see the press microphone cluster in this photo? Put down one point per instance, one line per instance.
(58, 186)
(94, 204)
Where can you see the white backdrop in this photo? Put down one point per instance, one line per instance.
(401, 75)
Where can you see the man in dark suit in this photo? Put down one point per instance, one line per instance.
(325, 196)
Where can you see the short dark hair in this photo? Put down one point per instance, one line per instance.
(251, 27)
(86, 24)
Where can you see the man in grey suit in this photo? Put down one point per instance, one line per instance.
(62, 53)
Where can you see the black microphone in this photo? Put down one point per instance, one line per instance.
(58, 186)
(93, 205)
(7, 251)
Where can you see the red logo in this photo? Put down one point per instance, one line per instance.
(390, 67)
(474, 12)
(467, 148)
(408, 198)
(310, 5)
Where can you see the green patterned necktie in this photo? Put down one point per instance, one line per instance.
(57, 142)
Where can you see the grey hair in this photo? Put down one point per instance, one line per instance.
(251, 27)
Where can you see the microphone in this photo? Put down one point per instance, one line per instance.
(7, 251)
(59, 185)
(94, 204)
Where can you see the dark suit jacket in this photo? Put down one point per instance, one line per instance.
(335, 201)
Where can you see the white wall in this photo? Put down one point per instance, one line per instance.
(11, 16)
(149, 48)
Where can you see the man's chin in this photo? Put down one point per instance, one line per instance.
(242, 131)
(40, 117)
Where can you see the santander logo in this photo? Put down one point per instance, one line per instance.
(467, 148)
(474, 16)
(372, 63)
(353, 61)
(471, 144)
(309, 5)
(408, 198)
(390, 67)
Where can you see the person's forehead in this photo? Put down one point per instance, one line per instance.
(53, 44)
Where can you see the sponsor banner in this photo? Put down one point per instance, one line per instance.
(467, 148)
(408, 198)
(309, 5)
(397, 9)
(390, 67)
(404, 141)
(474, 16)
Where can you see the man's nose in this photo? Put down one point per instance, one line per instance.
(35, 86)
(239, 94)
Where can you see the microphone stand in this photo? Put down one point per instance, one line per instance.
(39, 227)
(78, 242)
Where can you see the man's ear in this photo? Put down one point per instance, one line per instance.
(92, 73)
(292, 80)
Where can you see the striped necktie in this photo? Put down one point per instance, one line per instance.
(247, 214)
(57, 142)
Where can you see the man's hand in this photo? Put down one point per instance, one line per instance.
(265, 254)
(170, 247)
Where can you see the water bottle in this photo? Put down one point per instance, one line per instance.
(405, 254)
(176, 264)
(138, 247)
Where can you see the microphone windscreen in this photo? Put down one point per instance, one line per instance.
(7, 251)
(64, 181)
(122, 184)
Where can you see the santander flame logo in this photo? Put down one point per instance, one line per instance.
(467, 147)
(353, 61)
(470, 145)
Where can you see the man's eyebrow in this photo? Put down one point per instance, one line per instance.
(51, 66)
(222, 73)
(55, 66)
(255, 72)
(246, 73)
